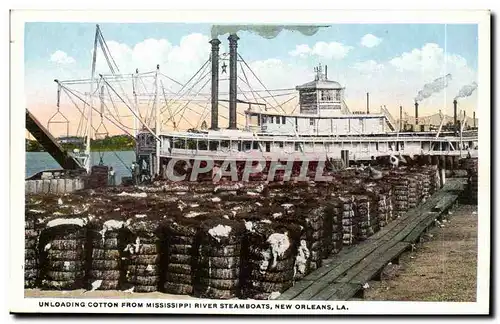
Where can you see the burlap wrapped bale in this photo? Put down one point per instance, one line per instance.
(181, 242)
(98, 177)
(401, 190)
(107, 239)
(271, 261)
(414, 189)
(310, 219)
(367, 219)
(380, 195)
(63, 253)
(316, 231)
(219, 257)
(34, 214)
(350, 224)
(143, 254)
(338, 208)
(471, 165)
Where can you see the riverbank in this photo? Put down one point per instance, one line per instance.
(120, 161)
(442, 268)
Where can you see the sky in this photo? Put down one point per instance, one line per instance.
(390, 61)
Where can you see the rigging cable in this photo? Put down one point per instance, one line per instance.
(107, 48)
(259, 81)
(173, 80)
(186, 105)
(245, 75)
(113, 103)
(165, 97)
(133, 112)
(93, 108)
(203, 66)
(200, 78)
(183, 107)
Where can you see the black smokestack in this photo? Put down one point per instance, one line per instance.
(326, 72)
(455, 112)
(400, 117)
(474, 118)
(367, 102)
(215, 83)
(416, 112)
(233, 60)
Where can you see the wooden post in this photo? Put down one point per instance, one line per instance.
(442, 176)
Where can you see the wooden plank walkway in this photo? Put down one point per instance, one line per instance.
(342, 276)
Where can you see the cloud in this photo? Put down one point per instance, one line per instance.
(394, 81)
(368, 67)
(300, 50)
(370, 40)
(430, 62)
(429, 58)
(275, 73)
(61, 57)
(332, 50)
(177, 61)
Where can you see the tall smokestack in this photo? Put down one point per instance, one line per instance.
(326, 72)
(233, 61)
(416, 113)
(455, 112)
(367, 102)
(474, 118)
(215, 83)
(400, 117)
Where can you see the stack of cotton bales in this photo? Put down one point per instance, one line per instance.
(219, 250)
(272, 257)
(63, 252)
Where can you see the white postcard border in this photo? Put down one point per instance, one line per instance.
(17, 155)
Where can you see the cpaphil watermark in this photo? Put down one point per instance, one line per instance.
(178, 169)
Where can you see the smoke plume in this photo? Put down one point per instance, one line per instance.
(467, 90)
(266, 31)
(433, 87)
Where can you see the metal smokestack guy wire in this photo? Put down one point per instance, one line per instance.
(400, 118)
(233, 66)
(215, 83)
(455, 112)
(416, 113)
(367, 102)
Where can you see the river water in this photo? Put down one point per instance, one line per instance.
(39, 161)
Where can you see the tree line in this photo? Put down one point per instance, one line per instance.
(108, 143)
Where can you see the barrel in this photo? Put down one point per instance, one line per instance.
(449, 162)
(69, 185)
(442, 162)
(30, 186)
(45, 186)
(456, 162)
(428, 159)
(435, 160)
(53, 186)
(61, 186)
(344, 155)
(38, 186)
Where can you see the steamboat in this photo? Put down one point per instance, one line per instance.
(323, 128)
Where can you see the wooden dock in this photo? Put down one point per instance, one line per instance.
(343, 275)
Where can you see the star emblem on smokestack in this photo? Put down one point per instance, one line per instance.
(224, 67)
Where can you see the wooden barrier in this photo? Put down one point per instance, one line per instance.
(53, 186)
